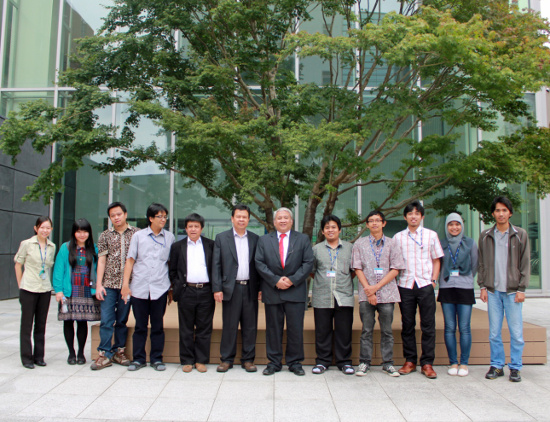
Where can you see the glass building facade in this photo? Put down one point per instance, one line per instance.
(37, 39)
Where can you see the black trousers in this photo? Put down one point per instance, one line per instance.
(145, 310)
(424, 299)
(241, 309)
(34, 310)
(275, 322)
(195, 314)
(333, 324)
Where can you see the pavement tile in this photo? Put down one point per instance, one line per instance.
(168, 409)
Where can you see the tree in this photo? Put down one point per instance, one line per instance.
(220, 75)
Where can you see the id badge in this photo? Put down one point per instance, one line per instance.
(43, 275)
(331, 274)
(454, 273)
(378, 271)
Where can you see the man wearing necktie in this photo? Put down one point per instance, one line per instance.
(284, 259)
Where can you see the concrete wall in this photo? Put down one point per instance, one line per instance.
(17, 218)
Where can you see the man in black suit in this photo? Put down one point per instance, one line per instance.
(284, 259)
(190, 275)
(235, 282)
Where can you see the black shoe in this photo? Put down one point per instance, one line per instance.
(515, 376)
(270, 370)
(71, 360)
(81, 360)
(298, 370)
(40, 363)
(29, 365)
(494, 373)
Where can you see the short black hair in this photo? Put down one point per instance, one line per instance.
(328, 218)
(376, 212)
(116, 204)
(153, 210)
(194, 217)
(240, 207)
(412, 206)
(504, 201)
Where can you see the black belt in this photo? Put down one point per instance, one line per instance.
(198, 285)
(243, 282)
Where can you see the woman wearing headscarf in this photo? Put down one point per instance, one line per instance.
(456, 291)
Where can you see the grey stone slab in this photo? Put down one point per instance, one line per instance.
(21, 182)
(7, 176)
(289, 390)
(136, 388)
(31, 161)
(382, 410)
(113, 408)
(11, 403)
(7, 272)
(430, 408)
(254, 391)
(305, 410)
(32, 382)
(194, 390)
(165, 409)
(242, 409)
(77, 385)
(55, 405)
(357, 392)
(496, 410)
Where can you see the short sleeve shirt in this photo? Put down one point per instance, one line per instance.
(31, 256)
(419, 250)
(326, 289)
(151, 254)
(114, 246)
(364, 257)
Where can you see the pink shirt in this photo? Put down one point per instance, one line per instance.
(419, 249)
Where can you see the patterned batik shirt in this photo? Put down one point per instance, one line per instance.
(114, 246)
(386, 254)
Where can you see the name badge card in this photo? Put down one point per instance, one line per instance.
(378, 271)
(454, 273)
(331, 274)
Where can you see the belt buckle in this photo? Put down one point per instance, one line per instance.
(199, 285)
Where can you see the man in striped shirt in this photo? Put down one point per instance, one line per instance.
(421, 252)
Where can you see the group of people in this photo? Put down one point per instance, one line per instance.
(147, 270)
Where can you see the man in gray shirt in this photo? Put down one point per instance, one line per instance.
(147, 264)
(504, 272)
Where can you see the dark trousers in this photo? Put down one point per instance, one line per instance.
(275, 322)
(243, 309)
(145, 310)
(424, 298)
(333, 324)
(34, 310)
(195, 314)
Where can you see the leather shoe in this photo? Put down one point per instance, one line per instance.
(429, 372)
(224, 367)
(407, 368)
(29, 365)
(40, 363)
(249, 367)
(270, 370)
(201, 367)
(298, 370)
(71, 360)
(187, 368)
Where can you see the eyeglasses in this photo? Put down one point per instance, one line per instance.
(161, 217)
(375, 221)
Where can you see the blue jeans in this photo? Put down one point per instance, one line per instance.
(500, 303)
(463, 313)
(114, 316)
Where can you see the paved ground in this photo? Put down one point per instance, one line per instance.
(60, 392)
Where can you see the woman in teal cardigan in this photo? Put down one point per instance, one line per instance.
(74, 276)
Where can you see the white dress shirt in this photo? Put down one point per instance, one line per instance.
(241, 244)
(196, 262)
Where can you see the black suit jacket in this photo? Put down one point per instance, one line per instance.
(225, 264)
(178, 264)
(298, 266)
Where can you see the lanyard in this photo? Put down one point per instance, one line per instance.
(333, 261)
(43, 259)
(157, 242)
(454, 258)
(377, 256)
(414, 240)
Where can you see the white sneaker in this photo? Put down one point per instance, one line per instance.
(463, 371)
(453, 370)
(362, 369)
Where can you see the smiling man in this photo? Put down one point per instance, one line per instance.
(332, 298)
(503, 275)
(421, 252)
(284, 260)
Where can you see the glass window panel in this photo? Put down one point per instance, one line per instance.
(30, 43)
(11, 101)
(81, 18)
